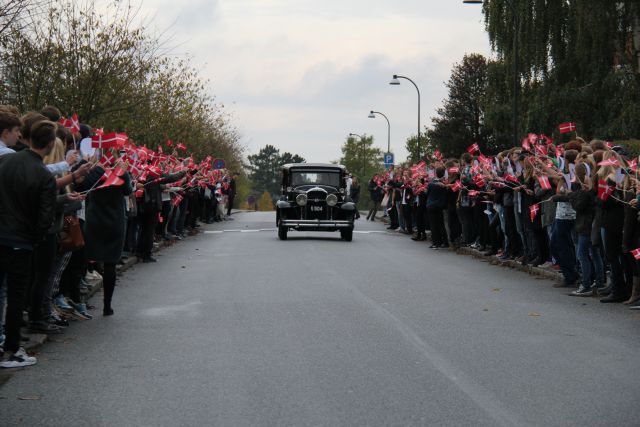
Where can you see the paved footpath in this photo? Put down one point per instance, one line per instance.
(236, 328)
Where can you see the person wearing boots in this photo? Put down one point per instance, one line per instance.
(105, 225)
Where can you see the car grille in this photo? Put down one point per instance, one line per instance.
(317, 205)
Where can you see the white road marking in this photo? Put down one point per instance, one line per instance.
(213, 232)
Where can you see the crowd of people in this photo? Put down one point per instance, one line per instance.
(76, 201)
(572, 207)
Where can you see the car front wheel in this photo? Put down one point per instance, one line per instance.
(282, 232)
(346, 235)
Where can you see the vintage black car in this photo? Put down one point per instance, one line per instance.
(314, 199)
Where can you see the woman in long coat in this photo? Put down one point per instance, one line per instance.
(105, 227)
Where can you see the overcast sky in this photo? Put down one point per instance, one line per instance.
(302, 74)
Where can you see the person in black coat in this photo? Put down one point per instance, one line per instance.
(150, 207)
(437, 195)
(28, 194)
(105, 226)
(375, 192)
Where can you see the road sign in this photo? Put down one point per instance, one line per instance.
(218, 164)
(388, 160)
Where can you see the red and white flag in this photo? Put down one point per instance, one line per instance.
(611, 161)
(533, 211)
(511, 178)
(454, 170)
(473, 148)
(567, 127)
(456, 186)
(75, 123)
(112, 179)
(544, 182)
(473, 193)
(181, 146)
(177, 200)
(438, 155)
(604, 190)
(636, 254)
(633, 165)
(110, 140)
(541, 150)
(107, 159)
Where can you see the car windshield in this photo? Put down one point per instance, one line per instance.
(331, 178)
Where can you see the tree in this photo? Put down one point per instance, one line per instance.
(113, 74)
(460, 121)
(360, 157)
(265, 202)
(578, 61)
(427, 147)
(264, 168)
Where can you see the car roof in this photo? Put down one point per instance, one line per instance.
(312, 166)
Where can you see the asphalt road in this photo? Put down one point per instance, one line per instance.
(237, 328)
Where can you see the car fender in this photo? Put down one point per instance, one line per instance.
(283, 204)
(348, 206)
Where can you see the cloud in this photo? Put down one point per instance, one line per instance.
(302, 74)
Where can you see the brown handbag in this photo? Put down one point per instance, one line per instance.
(71, 237)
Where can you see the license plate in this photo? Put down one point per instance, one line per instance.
(316, 208)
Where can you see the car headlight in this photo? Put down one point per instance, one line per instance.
(342, 191)
(301, 199)
(332, 200)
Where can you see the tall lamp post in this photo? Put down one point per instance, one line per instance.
(396, 82)
(516, 64)
(364, 154)
(372, 115)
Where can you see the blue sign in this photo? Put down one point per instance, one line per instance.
(218, 164)
(388, 160)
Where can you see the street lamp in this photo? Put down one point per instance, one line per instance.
(516, 65)
(396, 82)
(364, 154)
(372, 115)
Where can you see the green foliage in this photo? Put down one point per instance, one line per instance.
(113, 74)
(577, 62)
(461, 120)
(265, 202)
(360, 157)
(264, 168)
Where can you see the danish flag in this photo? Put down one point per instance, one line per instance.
(473, 193)
(604, 190)
(511, 178)
(544, 182)
(474, 148)
(526, 145)
(533, 211)
(107, 159)
(110, 140)
(636, 254)
(112, 179)
(177, 200)
(567, 127)
(181, 146)
(541, 150)
(438, 155)
(611, 161)
(454, 170)
(456, 186)
(633, 165)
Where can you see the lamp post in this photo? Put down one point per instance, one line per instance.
(516, 65)
(364, 154)
(372, 115)
(396, 82)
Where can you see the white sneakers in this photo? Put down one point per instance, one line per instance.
(18, 359)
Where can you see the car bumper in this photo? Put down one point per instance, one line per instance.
(316, 224)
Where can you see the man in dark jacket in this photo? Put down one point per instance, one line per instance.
(437, 194)
(28, 195)
(231, 195)
(149, 211)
